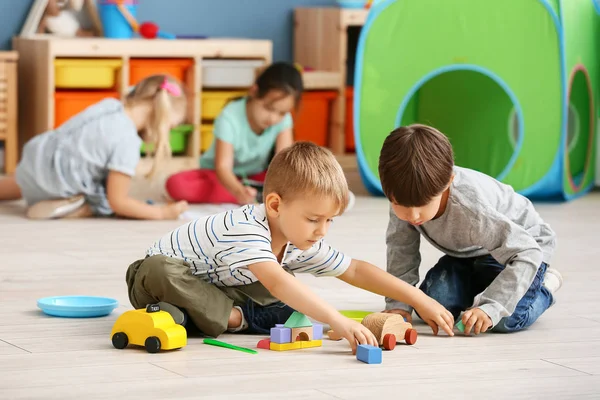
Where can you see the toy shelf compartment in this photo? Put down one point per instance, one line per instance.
(141, 68)
(229, 73)
(73, 73)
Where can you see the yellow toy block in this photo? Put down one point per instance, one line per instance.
(285, 346)
(150, 327)
(295, 345)
(312, 343)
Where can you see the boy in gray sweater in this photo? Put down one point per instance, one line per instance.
(497, 247)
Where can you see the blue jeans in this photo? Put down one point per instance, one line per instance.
(454, 283)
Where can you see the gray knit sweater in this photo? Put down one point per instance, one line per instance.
(482, 216)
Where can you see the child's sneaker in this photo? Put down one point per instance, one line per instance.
(50, 209)
(553, 280)
(179, 316)
(261, 319)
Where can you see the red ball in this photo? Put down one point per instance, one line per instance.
(149, 30)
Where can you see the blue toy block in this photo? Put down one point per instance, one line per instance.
(368, 354)
(280, 334)
(317, 331)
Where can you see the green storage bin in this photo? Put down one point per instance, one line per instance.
(177, 141)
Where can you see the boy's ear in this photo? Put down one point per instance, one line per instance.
(272, 204)
(451, 179)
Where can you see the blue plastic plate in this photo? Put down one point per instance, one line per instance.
(352, 3)
(77, 306)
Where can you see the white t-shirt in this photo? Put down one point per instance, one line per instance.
(220, 247)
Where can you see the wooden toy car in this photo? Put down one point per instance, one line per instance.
(387, 328)
(150, 327)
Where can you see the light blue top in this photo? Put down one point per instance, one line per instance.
(251, 151)
(76, 157)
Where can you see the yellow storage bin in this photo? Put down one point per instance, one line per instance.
(206, 137)
(214, 101)
(86, 73)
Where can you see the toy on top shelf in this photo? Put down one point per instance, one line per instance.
(118, 19)
(150, 327)
(62, 18)
(297, 333)
(387, 328)
(150, 30)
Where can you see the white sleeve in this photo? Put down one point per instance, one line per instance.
(321, 260)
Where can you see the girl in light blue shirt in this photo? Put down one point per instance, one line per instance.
(247, 132)
(84, 167)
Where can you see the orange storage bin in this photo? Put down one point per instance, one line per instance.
(349, 125)
(141, 68)
(69, 103)
(311, 122)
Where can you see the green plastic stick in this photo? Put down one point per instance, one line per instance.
(460, 326)
(218, 343)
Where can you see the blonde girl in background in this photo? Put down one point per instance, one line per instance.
(84, 167)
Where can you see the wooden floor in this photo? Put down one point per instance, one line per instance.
(43, 357)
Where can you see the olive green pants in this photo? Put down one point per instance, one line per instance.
(161, 278)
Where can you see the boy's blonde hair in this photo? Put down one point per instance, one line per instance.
(305, 169)
(165, 95)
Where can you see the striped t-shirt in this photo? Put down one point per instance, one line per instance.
(220, 247)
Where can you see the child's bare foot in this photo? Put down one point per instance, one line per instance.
(61, 208)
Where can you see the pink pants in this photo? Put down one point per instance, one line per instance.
(202, 186)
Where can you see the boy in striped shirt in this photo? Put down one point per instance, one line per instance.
(233, 271)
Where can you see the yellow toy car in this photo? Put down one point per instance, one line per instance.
(150, 327)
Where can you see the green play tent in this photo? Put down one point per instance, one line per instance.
(512, 83)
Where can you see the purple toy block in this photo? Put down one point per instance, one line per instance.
(279, 334)
(317, 331)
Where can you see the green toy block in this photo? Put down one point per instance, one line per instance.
(297, 320)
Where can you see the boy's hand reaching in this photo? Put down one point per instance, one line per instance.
(436, 316)
(354, 332)
(477, 320)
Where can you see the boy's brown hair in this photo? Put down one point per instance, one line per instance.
(415, 165)
(306, 169)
